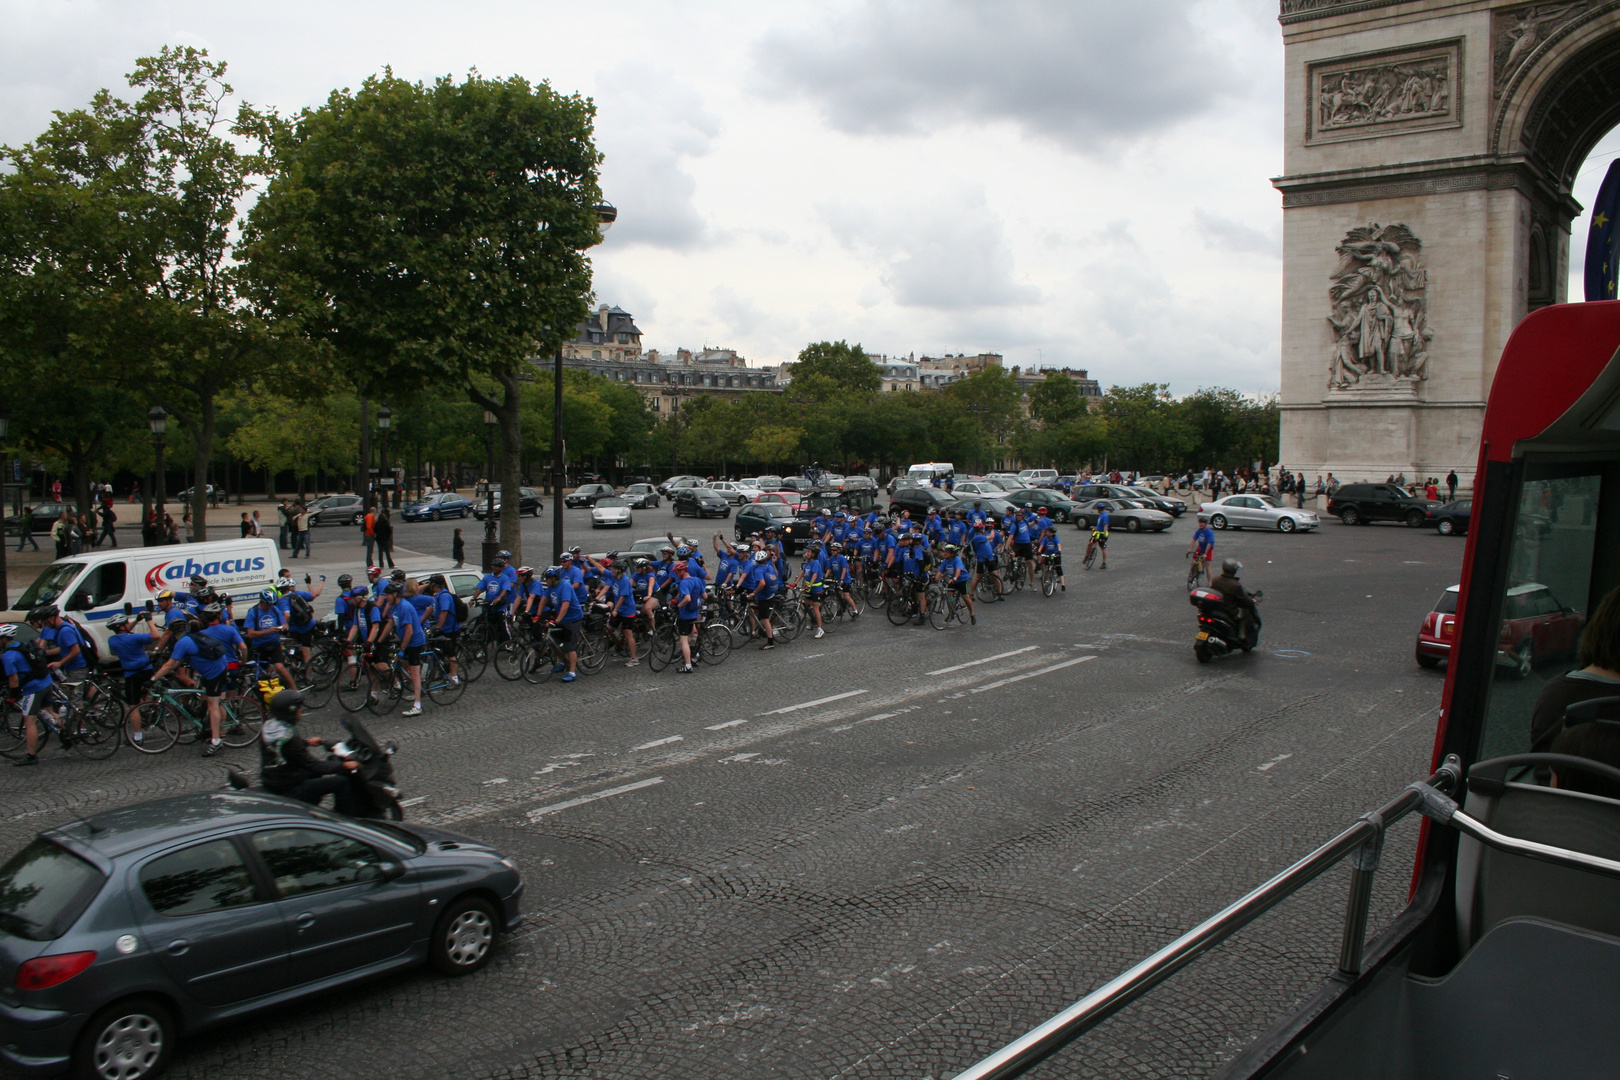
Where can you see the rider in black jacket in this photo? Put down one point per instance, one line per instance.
(287, 767)
(1238, 599)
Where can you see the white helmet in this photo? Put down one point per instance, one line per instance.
(762, 556)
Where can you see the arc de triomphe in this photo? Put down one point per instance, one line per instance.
(1430, 150)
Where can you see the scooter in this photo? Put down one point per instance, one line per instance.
(374, 780)
(1219, 632)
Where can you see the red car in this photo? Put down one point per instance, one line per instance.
(1535, 624)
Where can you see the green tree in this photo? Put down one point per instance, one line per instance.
(435, 236)
(1145, 430)
(845, 366)
(992, 396)
(301, 437)
(1057, 400)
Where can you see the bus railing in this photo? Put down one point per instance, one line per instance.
(1362, 842)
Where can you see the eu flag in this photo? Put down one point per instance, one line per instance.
(1603, 239)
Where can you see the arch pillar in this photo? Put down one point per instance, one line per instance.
(1430, 147)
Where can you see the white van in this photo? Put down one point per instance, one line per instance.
(95, 585)
(934, 470)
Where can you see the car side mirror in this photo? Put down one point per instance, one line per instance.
(391, 871)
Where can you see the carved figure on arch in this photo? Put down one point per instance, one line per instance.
(1379, 308)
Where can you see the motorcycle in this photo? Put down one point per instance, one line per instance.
(373, 781)
(1219, 630)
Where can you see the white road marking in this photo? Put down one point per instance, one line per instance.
(1274, 761)
(813, 704)
(1031, 674)
(986, 660)
(541, 811)
(660, 742)
(740, 757)
(722, 727)
(418, 801)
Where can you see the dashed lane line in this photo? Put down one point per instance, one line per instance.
(813, 704)
(1031, 674)
(541, 811)
(722, 727)
(986, 660)
(660, 742)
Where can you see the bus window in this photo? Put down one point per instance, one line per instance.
(1546, 601)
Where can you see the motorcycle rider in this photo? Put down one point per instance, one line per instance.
(286, 766)
(1239, 601)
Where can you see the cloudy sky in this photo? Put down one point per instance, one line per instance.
(1077, 182)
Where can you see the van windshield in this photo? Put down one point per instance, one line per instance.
(50, 585)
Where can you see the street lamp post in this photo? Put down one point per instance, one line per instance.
(491, 543)
(5, 474)
(158, 420)
(385, 479)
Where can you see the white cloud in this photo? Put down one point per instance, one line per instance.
(649, 123)
(1226, 234)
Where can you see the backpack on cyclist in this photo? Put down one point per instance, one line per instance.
(209, 647)
(462, 612)
(38, 662)
(87, 644)
(299, 608)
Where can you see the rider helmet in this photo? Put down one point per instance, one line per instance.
(1103, 506)
(950, 549)
(761, 556)
(284, 705)
(345, 581)
(269, 596)
(612, 556)
(551, 571)
(115, 622)
(1231, 567)
(8, 630)
(285, 587)
(214, 611)
(643, 564)
(438, 582)
(526, 571)
(666, 551)
(198, 582)
(166, 594)
(680, 567)
(397, 575)
(504, 555)
(373, 572)
(574, 551)
(393, 588)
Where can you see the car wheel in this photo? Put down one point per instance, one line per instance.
(1285, 524)
(1350, 516)
(126, 1041)
(464, 937)
(1445, 527)
(1217, 521)
(1414, 519)
(1425, 660)
(1133, 525)
(433, 516)
(1082, 523)
(726, 514)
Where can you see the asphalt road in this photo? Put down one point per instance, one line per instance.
(887, 852)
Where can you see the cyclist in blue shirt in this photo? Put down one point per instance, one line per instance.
(1051, 545)
(623, 587)
(688, 612)
(302, 631)
(911, 559)
(264, 623)
(1203, 543)
(499, 589)
(838, 577)
(60, 639)
(32, 693)
(211, 662)
(567, 615)
(133, 659)
(443, 625)
(1099, 533)
(984, 552)
(953, 574)
(762, 582)
(813, 575)
(406, 625)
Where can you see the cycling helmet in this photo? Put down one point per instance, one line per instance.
(214, 611)
(397, 575)
(978, 525)
(1103, 506)
(118, 620)
(8, 630)
(166, 594)
(612, 556)
(504, 555)
(198, 581)
(1231, 567)
(43, 612)
(666, 550)
(567, 556)
(285, 587)
(950, 549)
(269, 596)
(285, 705)
(835, 547)
(374, 571)
(643, 564)
(345, 581)
(762, 556)
(358, 591)
(1043, 510)
(393, 588)
(681, 567)
(437, 580)
(527, 571)
(551, 571)
(574, 551)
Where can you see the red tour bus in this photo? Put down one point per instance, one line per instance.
(1505, 963)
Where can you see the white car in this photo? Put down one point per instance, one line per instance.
(1255, 512)
(986, 488)
(610, 510)
(735, 493)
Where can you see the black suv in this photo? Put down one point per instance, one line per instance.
(919, 500)
(1358, 504)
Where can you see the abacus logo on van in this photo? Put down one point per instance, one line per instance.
(163, 575)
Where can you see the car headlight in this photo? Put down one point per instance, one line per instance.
(508, 863)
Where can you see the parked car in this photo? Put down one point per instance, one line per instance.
(989, 504)
(788, 498)
(757, 517)
(641, 496)
(1361, 504)
(130, 926)
(337, 510)
(734, 493)
(1452, 518)
(1127, 514)
(1256, 512)
(1059, 506)
(1008, 481)
(610, 510)
(437, 507)
(900, 483)
(796, 483)
(768, 483)
(683, 480)
(965, 488)
(1536, 627)
(919, 500)
(1438, 632)
(1170, 504)
(587, 494)
(528, 503)
(45, 515)
(1034, 478)
(699, 502)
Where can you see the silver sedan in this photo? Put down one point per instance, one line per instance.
(610, 510)
(1255, 512)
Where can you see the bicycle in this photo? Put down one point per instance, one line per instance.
(945, 606)
(989, 588)
(1095, 545)
(89, 736)
(1049, 575)
(1198, 573)
(903, 606)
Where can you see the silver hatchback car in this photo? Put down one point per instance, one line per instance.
(124, 930)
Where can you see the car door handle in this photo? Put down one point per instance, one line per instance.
(179, 947)
(305, 920)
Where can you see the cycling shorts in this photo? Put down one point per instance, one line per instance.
(306, 638)
(566, 635)
(957, 587)
(1024, 551)
(214, 687)
(989, 566)
(448, 641)
(686, 626)
(135, 685)
(764, 607)
(412, 655)
(269, 654)
(621, 622)
(1099, 538)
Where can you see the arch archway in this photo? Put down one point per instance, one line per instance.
(1431, 154)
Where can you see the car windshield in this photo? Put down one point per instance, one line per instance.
(43, 891)
(611, 502)
(704, 493)
(773, 509)
(1447, 604)
(49, 585)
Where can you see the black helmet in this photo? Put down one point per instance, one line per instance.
(504, 554)
(285, 705)
(345, 581)
(1231, 567)
(397, 575)
(393, 588)
(43, 612)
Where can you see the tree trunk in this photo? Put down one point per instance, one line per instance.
(509, 467)
(79, 462)
(204, 433)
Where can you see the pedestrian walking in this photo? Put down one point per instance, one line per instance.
(109, 524)
(284, 516)
(368, 532)
(301, 531)
(246, 526)
(1451, 486)
(258, 525)
(27, 536)
(384, 530)
(458, 550)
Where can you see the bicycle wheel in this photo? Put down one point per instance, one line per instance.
(96, 733)
(1048, 582)
(472, 657)
(939, 608)
(388, 691)
(1091, 558)
(661, 653)
(354, 687)
(160, 726)
(436, 681)
(714, 642)
(242, 720)
(789, 623)
(13, 734)
(593, 652)
(901, 609)
(509, 660)
(191, 710)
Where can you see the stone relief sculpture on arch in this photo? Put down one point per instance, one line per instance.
(1379, 310)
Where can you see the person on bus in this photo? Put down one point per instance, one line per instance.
(1598, 676)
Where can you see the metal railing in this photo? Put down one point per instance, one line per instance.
(1363, 842)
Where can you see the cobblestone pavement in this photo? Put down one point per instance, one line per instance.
(887, 852)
